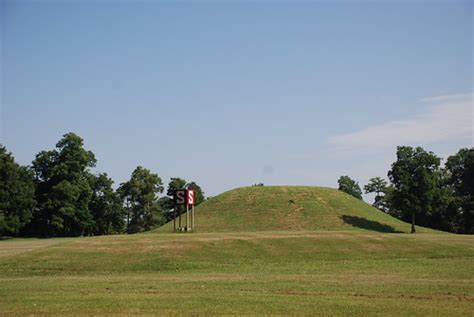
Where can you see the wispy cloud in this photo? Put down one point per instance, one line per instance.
(446, 117)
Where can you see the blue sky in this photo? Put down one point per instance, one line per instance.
(230, 94)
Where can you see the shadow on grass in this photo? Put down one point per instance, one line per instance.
(368, 224)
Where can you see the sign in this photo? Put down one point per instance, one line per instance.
(184, 197)
(180, 197)
(189, 197)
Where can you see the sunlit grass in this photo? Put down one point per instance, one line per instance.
(276, 273)
(292, 208)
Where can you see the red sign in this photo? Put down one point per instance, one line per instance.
(189, 197)
(184, 197)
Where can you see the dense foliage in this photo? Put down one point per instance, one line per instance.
(166, 203)
(63, 191)
(60, 196)
(349, 186)
(415, 178)
(378, 186)
(460, 178)
(17, 193)
(140, 194)
(105, 206)
(423, 193)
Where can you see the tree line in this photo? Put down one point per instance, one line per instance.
(58, 195)
(422, 192)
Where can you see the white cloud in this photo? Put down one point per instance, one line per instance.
(446, 118)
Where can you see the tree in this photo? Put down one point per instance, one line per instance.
(460, 170)
(167, 206)
(105, 206)
(16, 194)
(167, 203)
(175, 184)
(198, 193)
(63, 191)
(140, 195)
(445, 211)
(125, 193)
(415, 176)
(350, 186)
(378, 186)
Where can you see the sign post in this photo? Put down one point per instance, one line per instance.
(184, 197)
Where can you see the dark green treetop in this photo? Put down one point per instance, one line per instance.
(415, 176)
(378, 186)
(105, 206)
(140, 195)
(175, 184)
(460, 170)
(17, 193)
(63, 190)
(349, 186)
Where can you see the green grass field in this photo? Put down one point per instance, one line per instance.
(357, 271)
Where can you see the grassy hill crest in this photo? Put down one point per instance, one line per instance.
(290, 208)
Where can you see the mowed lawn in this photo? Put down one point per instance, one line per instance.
(257, 273)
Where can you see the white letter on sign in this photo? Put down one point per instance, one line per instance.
(190, 200)
(180, 196)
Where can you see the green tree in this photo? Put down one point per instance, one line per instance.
(415, 179)
(105, 205)
(198, 193)
(445, 211)
(63, 191)
(350, 186)
(140, 196)
(167, 202)
(460, 170)
(167, 207)
(175, 184)
(378, 186)
(17, 193)
(125, 193)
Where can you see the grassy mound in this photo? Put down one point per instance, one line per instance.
(289, 208)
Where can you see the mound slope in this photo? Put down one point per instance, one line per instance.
(290, 208)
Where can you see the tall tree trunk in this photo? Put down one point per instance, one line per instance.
(128, 222)
(128, 217)
(413, 230)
